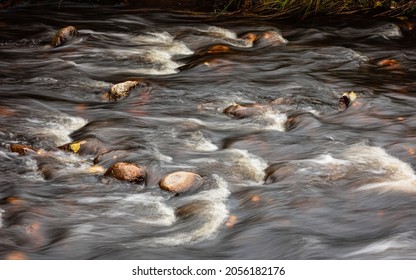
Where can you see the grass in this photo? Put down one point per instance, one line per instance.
(313, 8)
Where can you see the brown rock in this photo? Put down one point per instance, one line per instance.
(63, 35)
(244, 111)
(120, 90)
(181, 181)
(218, 49)
(191, 209)
(126, 171)
(22, 149)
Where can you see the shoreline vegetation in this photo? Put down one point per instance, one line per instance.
(294, 9)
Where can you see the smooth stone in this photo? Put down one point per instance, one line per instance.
(181, 181)
(63, 35)
(126, 171)
(120, 90)
(244, 111)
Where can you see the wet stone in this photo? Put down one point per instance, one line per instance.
(345, 100)
(276, 173)
(181, 181)
(89, 146)
(22, 149)
(244, 111)
(191, 209)
(120, 90)
(126, 171)
(63, 35)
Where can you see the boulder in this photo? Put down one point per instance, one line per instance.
(126, 171)
(181, 181)
(346, 100)
(63, 35)
(89, 146)
(120, 90)
(191, 209)
(244, 111)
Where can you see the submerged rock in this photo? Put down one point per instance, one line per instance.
(89, 146)
(120, 90)
(346, 100)
(266, 38)
(181, 181)
(244, 111)
(63, 35)
(126, 171)
(191, 209)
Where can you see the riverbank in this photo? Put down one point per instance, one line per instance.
(321, 8)
(301, 9)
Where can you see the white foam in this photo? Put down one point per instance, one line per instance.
(198, 142)
(276, 121)
(221, 32)
(396, 174)
(57, 127)
(214, 216)
(389, 31)
(378, 247)
(243, 164)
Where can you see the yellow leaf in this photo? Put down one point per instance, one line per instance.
(75, 147)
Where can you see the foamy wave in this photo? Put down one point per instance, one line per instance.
(214, 216)
(397, 174)
(228, 35)
(397, 242)
(198, 142)
(389, 31)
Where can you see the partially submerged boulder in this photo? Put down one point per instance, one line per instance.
(63, 35)
(89, 146)
(181, 181)
(346, 100)
(120, 90)
(126, 171)
(244, 111)
(191, 209)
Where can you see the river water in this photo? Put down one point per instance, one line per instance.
(298, 179)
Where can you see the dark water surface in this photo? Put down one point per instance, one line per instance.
(298, 180)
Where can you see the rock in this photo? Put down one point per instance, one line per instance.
(273, 38)
(181, 181)
(89, 146)
(111, 156)
(23, 149)
(120, 90)
(63, 35)
(244, 111)
(266, 38)
(276, 173)
(345, 100)
(126, 171)
(218, 49)
(191, 209)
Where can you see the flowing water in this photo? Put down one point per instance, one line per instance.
(298, 179)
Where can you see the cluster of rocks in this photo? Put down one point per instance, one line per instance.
(176, 182)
